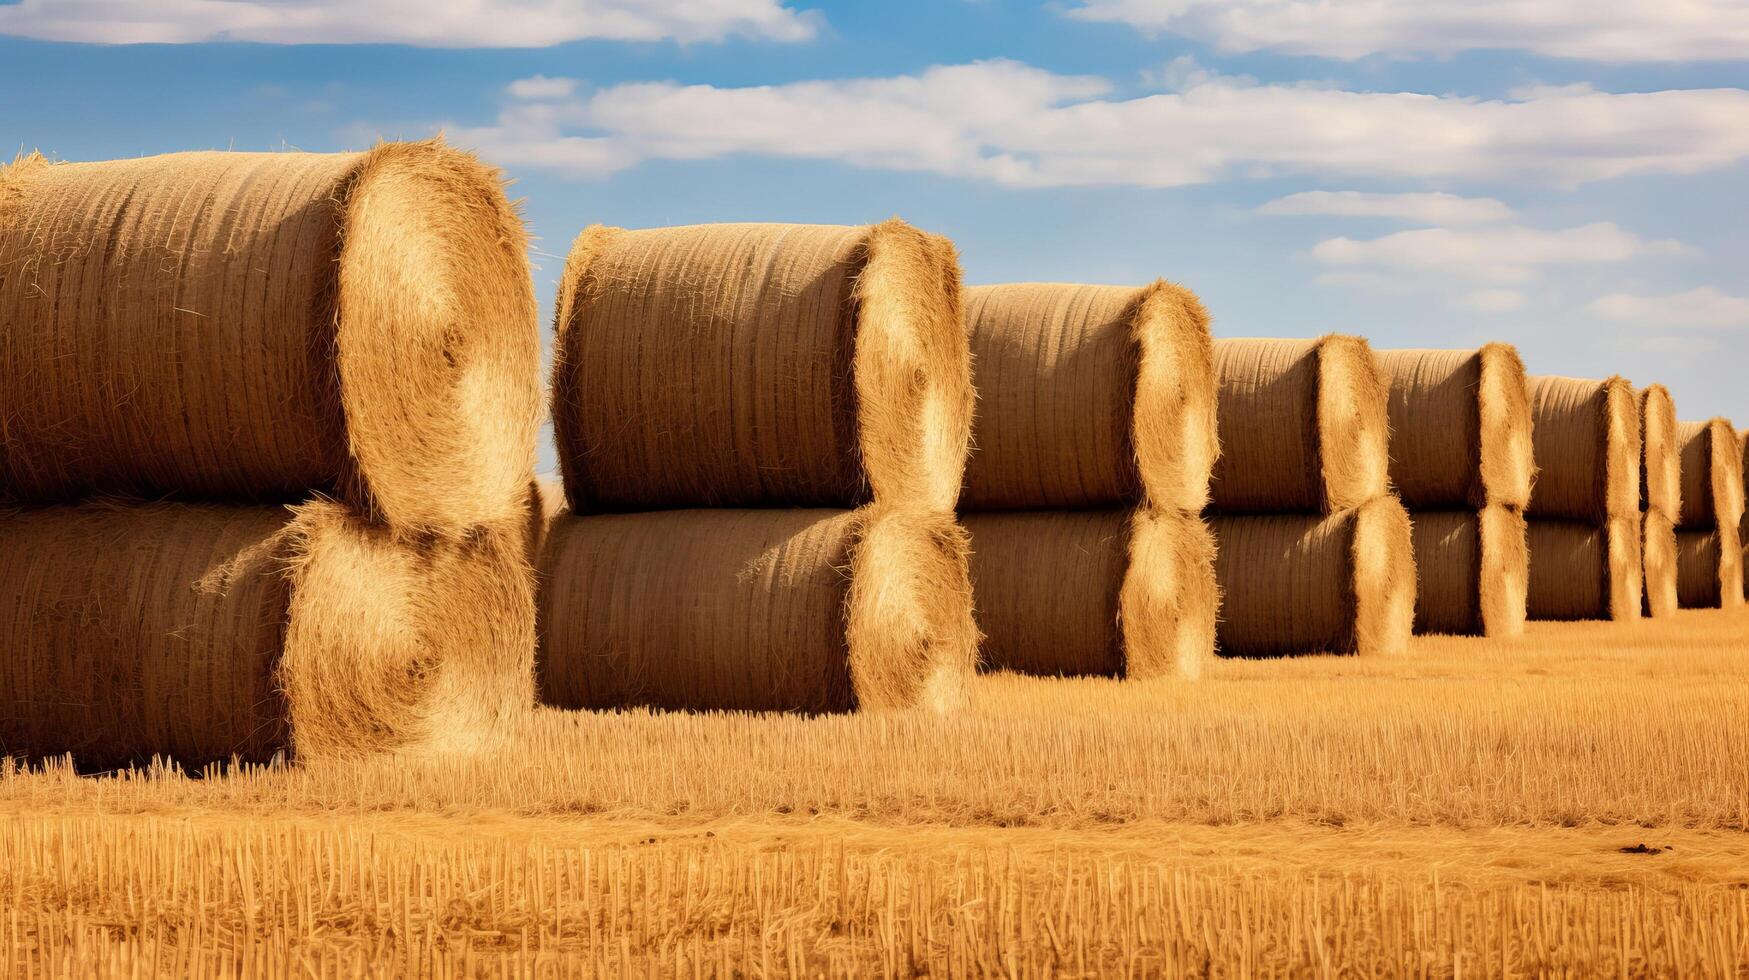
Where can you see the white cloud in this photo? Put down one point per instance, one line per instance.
(539, 87)
(1431, 208)
(1608, 30)
(1504, 255)
(455, 24)
(1493, 300)
(1013, 124)
(1703, 307)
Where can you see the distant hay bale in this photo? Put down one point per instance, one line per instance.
(1658, 558)
(1712, 506)
(1303, 426)
(199, 632)
(1474, 572)
(257, 327)
(1587, 440)
(1103, 592)
(746, 365)
(1460, 427)
(1090, 396)
(1580, 570)
(1300, 583)
(1661, 466)
(763, 610)
(1743, 525)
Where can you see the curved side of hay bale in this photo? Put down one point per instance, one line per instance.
(1580, 570)
(1661, 467)
(1170, 602)
(1090, 396)
(1699, 559)
(1712, 503)
(1304, 426)
(765, 610)
(1659, 557)
(1473, 572)
(1460, 427)
(825, 366)
(253, 327)
(1300, 583)
(1587, 441)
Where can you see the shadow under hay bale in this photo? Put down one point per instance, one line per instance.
(1709, 567)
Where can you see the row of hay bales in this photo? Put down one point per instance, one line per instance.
(267, 432)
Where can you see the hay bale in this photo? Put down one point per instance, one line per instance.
(1460, 427)
(1090, 396)
(258, 327)
(1474, 572)
(1712, 505)
(1094, 593)
(1661, 459)
(1303, 426)
(1658, 559)
(1581, 570)
(761, 364)
(1301, 583)
(199, 632)
(1586, 436)
(1743, 525)
(764, 610)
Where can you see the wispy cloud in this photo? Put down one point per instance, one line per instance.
(1506, 255)
(472, 24)
(1703, 307)
(1425, 208)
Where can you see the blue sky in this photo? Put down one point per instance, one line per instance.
(1567, 176)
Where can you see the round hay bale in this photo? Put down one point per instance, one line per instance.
(758, 610)
(1586, 436)
(1743, 525)
(1580, 570)
(1301, 583)
(1661, 466)
(258, 327)
(1658, 552)
(1712, 504)
(1090, 396)
(1094, 593)
(1700, 569)
(1460, 427)
(1474, 572)
(761, 364)
(201, 632)
(1303, 426)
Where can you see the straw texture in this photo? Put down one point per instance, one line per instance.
(1460, 427)
(1090, 396)
(1474, 572)
(1304, 426)
(1580, 570)
(1587, 440)
(1712, 505)
(1300, 583)
(1743, 525)
(1661, 472)
(1107, 592)
(1658, 557)
(199, 632)
(779, 610)
(761, 364)
(255, 327)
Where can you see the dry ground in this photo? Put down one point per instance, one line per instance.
(1573, 803)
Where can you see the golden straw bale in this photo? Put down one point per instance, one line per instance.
(199, 632)
(1474, 572)
(761, 364)
(1580, 570)
(1460, 427)
(1300, 583)
(1743, 525)
(1090, 396)
(257, 327)
(1587, 440)
(1661, 467)
(775, 609)
(1703, 573)
(1303, 424)
(1658, 554)
(1104, 592)
(1712, 504)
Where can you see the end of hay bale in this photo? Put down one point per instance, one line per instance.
(1353, 423)
(1170, 600)
(1622, 455)
(1383, 561)
(1658, 559)
(1622, 540)
(577, 281)
(1508, 457)
(1174, 426)
(398, 644)
(11, 174)
(1505, 571)
(908, 615)
(1661, 469)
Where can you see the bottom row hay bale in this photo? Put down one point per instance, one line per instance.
(1658, 563)
(1709, 570)
(1712, 507)
(199, 632)
(1473, 570)
(1301, 583)
(1580, 570)
(1110, 593)
(758, 610)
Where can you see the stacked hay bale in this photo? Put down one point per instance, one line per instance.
(762, 431)
(1660, 499)
(1709, 566)
(1585, 511)
(1095, 438)
(1462, 462)
(1314, 551)
(323, 371)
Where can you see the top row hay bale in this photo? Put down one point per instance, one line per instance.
(263, 326)
(1661, 455)
(1712, 475)
(1587, 440)
(1303, 426)
(742, 365)
(1460, 427)
(1090, 396)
